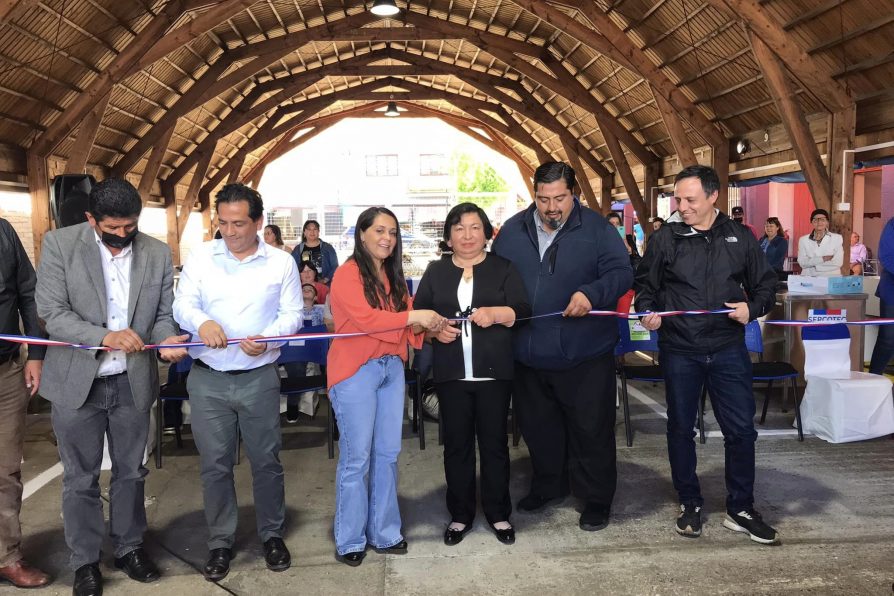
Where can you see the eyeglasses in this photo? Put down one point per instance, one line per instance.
(819, 219)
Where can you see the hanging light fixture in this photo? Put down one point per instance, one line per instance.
(392, 110)
(384, 8)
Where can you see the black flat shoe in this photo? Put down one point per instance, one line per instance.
(352, 559)
(276, 555)
(138, 566)
(87, 581)
(398, 549)
(453, 537)
(506, 536)
(218, 565)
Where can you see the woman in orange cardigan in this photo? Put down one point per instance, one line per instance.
(366, 385)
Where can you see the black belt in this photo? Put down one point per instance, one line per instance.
(201, 364)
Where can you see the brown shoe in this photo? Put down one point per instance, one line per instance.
(22, 575)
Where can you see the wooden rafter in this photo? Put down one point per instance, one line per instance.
(804, 68)
(77, 161)
(150, 173)
(795, 123)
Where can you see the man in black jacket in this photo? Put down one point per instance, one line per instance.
(571, 261)
(707, 262)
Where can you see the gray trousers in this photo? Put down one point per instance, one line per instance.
(108, 411)
(220, 404)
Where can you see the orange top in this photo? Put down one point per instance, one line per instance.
(351, 312)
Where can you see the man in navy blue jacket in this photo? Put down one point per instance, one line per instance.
(884, 345)
(572, 261)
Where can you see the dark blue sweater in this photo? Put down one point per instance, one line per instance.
(885, 289)
(587, 255)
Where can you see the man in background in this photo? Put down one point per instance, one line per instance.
(19, 381)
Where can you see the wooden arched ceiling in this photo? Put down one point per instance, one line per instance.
(162, 89)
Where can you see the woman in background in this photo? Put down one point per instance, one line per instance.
(273, 237)
(316, 251)
(366, 385)
(473, 367)
(774, 245)
(309, 275)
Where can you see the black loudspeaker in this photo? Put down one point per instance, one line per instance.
(69, 199)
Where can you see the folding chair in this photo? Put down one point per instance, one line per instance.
(412, 377)
(762, 372)
(634, 343)
(299, 350)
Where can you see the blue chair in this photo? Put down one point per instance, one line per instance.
(173, 389)
(652, 373)
(762, 372)
(309, 351)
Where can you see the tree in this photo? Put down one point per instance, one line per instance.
(472, 176)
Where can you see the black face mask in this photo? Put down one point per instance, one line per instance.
(115, 241)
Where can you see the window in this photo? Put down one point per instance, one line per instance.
(432, 164)
(381, 165)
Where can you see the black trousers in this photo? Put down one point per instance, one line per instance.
(567, 418)
(470, 409)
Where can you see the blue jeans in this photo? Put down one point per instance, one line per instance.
(884, 345)
(727, 374)
(369, 406)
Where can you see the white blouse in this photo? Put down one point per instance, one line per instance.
(811, 253)
(464, 297)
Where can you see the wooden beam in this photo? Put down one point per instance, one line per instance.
(168, 191)
(39, 188)
(192, 193)
(805, 69)
(795, 123)
(150, 173)
(117, 70)
(585, 189)
(842, 128)
(605, 197)
(720, 156)
(622, 49)
(77, 161)
(213, 82)
(197, 27)
(236, 169)
(622, 169)
(676, 132)
(650, 189)
(10, 10)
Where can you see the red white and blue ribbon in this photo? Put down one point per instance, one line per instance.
(38, 341)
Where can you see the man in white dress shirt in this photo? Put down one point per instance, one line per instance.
(820, 253)
(238, 287)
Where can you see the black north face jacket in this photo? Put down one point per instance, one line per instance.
(688, 269)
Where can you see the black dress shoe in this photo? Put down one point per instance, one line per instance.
(87, 581)
(218, 565)
(398, 549)
(594, 517)
(506, 536)
(534, 502)
(353, 559)
(137, 565)
(452, 537)
(277, 555)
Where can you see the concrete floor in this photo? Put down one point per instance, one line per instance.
(833, 505)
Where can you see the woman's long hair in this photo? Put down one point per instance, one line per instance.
(277, 234)
(373, 288)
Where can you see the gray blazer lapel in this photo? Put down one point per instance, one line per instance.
(93, 264)
(138, 264)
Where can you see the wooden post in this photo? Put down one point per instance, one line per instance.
(77, 161)
(842, 127)
(168, 191)
(605, 199)
(154, 164)
(39, 187)
(720, 157)
(650, 185)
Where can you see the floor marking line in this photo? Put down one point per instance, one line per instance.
(41, 480)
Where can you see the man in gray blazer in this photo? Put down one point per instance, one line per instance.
(102, 283)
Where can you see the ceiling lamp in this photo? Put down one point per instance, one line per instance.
(384, 8)
(742, 147)
(392, 110)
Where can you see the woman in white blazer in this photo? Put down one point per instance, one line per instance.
(821, 252)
